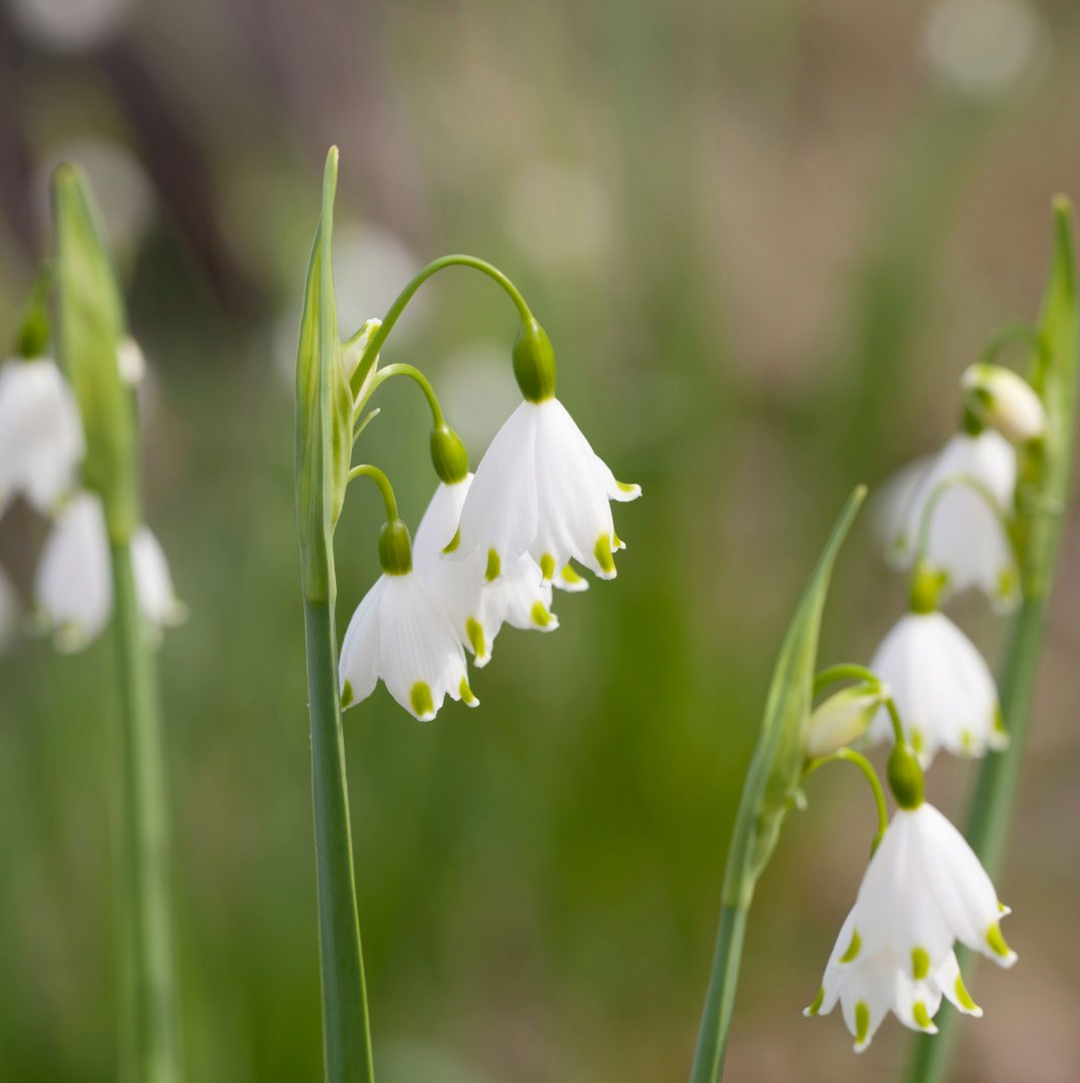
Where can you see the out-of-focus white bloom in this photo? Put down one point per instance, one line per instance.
(477, 608)
(541, 489)
(9, 611)
(41, 437)
(843, 718)
(559, 214)
(478, 391)
(70, 26)
(984, 47)
(131, 361)
(73, 586)
(354, 350)
(402, 634)
(1004, 401)
(943, 689)
(924, 890)
(961, 502)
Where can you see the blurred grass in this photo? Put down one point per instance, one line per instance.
(805, 235)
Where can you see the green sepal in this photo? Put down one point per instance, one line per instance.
(905, 776)
(448, 455)
(534, 362)
(324, 406)
(90, 323)
(395, 548)
(772, 781)
(1044, 465)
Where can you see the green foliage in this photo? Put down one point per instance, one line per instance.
(90, 323)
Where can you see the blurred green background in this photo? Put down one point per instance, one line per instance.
(765, 239)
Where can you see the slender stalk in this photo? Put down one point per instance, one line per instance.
(150, 1052)
(346, 1032)
(720, 1000)
(406, 295)
(849, 755)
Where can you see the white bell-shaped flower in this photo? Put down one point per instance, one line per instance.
(868, 987)
(478, 608)
(73, 585)
(1005, 401)
(923, 891)
(541, 489)
(402, 633)
(942, 688)
(41, 437)
(958, 508)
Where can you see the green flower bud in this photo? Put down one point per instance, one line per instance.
(842, 718)
(395, 548)
(448, 455)
(534, 362)
(905, 777)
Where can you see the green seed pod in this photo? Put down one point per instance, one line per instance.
(395, 548)
(448, 455)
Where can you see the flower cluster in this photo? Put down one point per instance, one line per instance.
(489, 549)
(948, 519)
(42, 447)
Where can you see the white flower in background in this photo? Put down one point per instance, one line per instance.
(961, 502)
(868, 987)
(943, 689)
(843, 718)
(131, 361)
(73, 586)
(541, 489)
(402, 634)
(985, 47)
(9, 611)
(924, 890)
(1004, 401)
(41, 437)
(477, 608)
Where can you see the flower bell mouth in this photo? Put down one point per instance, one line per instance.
(923, 891)
(942, 687)
(402, 635)
(73, 586)
(542, 490)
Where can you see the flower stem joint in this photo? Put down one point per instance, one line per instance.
(534, 362)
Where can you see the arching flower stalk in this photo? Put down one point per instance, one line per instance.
(488, 551)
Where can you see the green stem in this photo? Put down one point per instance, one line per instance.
(406, 295)
(346, 1032)
(1007, 335)
(849, 755)
(844, 672)
(939, 490)
(417, 377)
(720, 1001)
(150, 1047)
(382, 481)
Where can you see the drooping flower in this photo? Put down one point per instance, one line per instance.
(1004, 401)
(868, 987)
(402, 634)
(73, 584)
(477, 608)
(923, 891)
(942, 688)
(954, 517)
(41, 437)
(541, 489)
